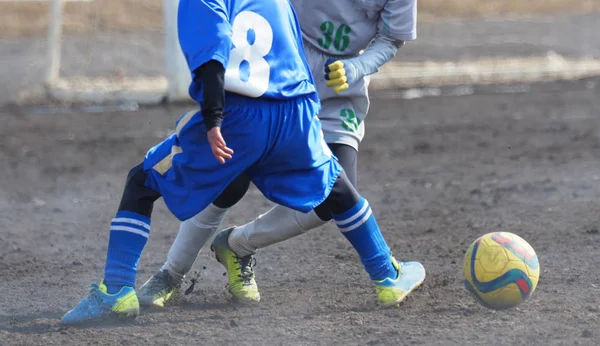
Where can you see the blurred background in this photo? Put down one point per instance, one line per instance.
(126, 38)
(21, 18)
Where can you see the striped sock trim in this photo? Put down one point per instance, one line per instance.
(357, 219)
(132, 223)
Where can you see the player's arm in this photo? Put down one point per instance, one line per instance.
(397, 24)
(212, 76)
(205, 39)
(340, 74)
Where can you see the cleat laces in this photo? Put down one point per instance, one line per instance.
(247, 264)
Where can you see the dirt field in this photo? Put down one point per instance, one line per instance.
(19, 19)
(438, 172)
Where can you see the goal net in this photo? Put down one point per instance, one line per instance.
(112, 51)
(115, 51)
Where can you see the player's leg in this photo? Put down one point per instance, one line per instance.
(295, 189)
(115, 295)
(342, 120)
(191, 238)
(183, 171)
(281, 223)
(350, 211)
(353, 216)
(278, 224)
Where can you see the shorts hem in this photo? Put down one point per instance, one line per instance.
(328, 189)
(338, 138)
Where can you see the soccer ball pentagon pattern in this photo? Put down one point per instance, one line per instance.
(501, 270)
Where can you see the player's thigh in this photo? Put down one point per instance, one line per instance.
(234, 192)
(186, 173)
(347, 157)
(300, 169)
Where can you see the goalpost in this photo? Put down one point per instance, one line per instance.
(170, 79)
(170, 87)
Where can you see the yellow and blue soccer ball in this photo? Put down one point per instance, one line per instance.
(501, 270)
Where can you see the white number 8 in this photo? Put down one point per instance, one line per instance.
(260, 71)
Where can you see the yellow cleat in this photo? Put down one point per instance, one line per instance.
(159, 289)
(240, 272)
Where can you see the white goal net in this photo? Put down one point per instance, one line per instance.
(111, 51)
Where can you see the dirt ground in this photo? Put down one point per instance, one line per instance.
(20, 19)
(438, 172)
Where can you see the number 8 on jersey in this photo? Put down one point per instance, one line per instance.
(252, 38)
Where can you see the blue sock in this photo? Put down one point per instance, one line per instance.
(128, 235)
(358, 225)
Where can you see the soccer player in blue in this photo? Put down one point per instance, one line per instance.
(255, 90)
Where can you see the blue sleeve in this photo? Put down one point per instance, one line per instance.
(204, 32)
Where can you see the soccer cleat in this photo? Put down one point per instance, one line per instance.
(240, 272)
(100, 306)
(159, 289)
(392, 292)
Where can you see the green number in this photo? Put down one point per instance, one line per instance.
(349, 120)
(341, 37)
(327, 30)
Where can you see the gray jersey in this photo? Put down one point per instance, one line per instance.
(345, 27)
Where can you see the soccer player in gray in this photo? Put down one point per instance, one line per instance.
(345, 42)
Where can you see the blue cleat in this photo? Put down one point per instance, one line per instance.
(101, 306)
(391, 292)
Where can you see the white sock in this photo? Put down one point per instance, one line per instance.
(276, 225)
(193, 234)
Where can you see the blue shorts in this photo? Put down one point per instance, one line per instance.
(278, 144)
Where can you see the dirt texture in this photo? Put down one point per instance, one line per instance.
(438, 173)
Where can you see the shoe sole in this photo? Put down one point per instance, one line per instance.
(152, 304)
(400, 301)
(245, 301)
(411, 289)
(113, 318)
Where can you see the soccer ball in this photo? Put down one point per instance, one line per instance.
(501, 270)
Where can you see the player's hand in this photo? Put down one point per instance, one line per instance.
(218, 145)
(335, 75)
(338, 75)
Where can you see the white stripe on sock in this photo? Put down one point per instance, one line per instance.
(358, 224)
(355, 216)
(129, 229)
(132, 221)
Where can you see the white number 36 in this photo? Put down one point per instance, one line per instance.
(254, 54)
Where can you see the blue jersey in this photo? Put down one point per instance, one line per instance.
(258, 42)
